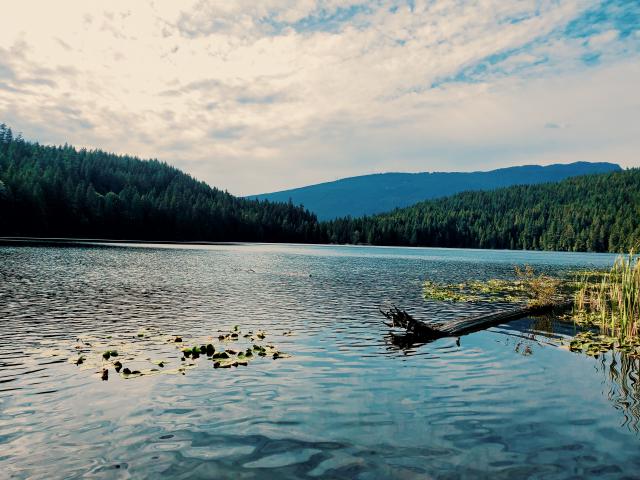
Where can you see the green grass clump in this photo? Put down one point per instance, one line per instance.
(611, 300)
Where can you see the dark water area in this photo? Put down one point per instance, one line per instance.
(351, 402)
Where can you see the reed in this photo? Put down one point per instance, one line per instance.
(542, 290)
(612, 299)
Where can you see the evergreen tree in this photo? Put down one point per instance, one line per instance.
(50, 191)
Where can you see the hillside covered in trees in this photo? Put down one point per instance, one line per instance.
(384, 192)
(595, 213)
(50, 191)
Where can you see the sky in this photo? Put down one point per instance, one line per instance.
(258, 96)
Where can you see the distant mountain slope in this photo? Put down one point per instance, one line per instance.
(595, 213)
(48, 191)
(371, 194)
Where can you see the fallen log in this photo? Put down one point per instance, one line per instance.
(461, 326)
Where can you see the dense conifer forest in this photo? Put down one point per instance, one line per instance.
(48, 191)
(594, 213)
(383, 192)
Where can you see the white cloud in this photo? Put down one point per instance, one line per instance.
(258, 96)
(603, 39)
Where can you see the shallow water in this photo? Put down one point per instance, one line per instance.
(351, 402)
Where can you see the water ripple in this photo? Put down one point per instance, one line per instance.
(354, 401)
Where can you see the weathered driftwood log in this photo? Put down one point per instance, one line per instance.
(461, 326)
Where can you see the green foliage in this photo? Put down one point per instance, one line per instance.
(594, 213)
(536, 290)
(595, 344)
(64, 192)
(50, 191)
(383, 192)
(447, 292)
(612, 301)
(541, 290)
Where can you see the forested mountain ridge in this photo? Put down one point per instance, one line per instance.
(599, 213)
(49, 191)
(384, 192)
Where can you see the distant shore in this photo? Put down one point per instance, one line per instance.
(61, 240)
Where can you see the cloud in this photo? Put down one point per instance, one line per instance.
(227, 133)
(554, 125)
(260, 96)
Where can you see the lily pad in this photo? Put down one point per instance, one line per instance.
(97, 354)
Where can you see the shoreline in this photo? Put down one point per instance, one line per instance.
(107, 241)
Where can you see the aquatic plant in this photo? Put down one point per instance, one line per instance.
(611, 300)
(131, 359)
(150, 355)
(536, 290)
(109, 353)
(541, 290)
(447, 292)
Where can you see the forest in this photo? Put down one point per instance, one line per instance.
(48, 191)
(61, 191)
(592, 213)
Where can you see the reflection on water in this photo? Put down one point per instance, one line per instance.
(352, 402)
(623, 385)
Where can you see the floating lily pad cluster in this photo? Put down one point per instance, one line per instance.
(582, 318)
(233, 358)
(528, 287)
(594, 344)
(473, 291)
(128, 355)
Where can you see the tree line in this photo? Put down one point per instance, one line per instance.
(48, 191)
(592, 213)
(60, 191)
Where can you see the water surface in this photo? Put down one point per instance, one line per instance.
(351, 402)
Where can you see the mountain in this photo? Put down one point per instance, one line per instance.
(48, 191)
(599, 213)
(371, 194)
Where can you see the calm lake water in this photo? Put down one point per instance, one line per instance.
(351, 402)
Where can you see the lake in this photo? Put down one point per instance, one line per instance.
(352, 401)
